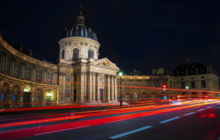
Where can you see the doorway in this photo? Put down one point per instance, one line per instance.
(26, 99)
(48, 100)
(101, 95)
(74, 95)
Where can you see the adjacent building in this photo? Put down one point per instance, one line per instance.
(185, 81)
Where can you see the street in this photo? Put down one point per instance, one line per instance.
(180, 123)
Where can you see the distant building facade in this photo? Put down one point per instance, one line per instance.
(78, 77)
(190, 76)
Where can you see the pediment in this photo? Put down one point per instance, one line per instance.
(105, 62)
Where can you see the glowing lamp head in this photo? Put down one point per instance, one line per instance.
(187, 87)
(164, 86)
(120, 74)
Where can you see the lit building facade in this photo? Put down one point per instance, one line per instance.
(182, 81)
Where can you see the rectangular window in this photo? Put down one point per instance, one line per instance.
(152, 83)
(38, 75)
(193, 84)
(173, 84)
(135, 83)
(50, 77)
(27, 73)
(203, 83)
(67, 78)
(183, 85)
(170, 84)
(144, 83)
(67, 93)
(127, 83)
(7, 66)
(118, 82)
(17, 69)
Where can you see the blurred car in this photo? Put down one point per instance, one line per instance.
(175, 103)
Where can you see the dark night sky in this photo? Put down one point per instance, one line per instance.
(134, 34)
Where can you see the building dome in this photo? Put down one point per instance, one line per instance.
(80, 30)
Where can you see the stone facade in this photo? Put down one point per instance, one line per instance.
(140, 88)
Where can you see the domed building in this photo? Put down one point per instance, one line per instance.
(79, 77)
(79, 63)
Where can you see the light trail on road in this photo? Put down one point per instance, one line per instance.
(87, 123)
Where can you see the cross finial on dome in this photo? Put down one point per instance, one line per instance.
(80, 18)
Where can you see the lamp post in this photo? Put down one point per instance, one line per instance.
(120, 74)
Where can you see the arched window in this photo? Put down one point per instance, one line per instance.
(75, 54)
(90, 54)
(62, 54)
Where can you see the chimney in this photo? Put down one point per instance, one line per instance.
(188, 62)
(18, 47)
(28, 52)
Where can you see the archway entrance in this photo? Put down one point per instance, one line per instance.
(27, 97)
(193, 95)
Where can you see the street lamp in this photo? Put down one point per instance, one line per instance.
(120, 74)
(187, 87)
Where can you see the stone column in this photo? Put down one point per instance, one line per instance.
(86, 94)
(63, 87)
(78, 87)
(72, 87)
(115, 86)
(98, 89)
(83, 94)
(60, 83)
(112, 87)
(22, 94)
(90, 85)
(93, 87)
(108, 88)
(10, 95)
